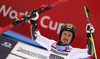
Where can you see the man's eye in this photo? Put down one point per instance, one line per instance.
(64, 33)
(69, 35)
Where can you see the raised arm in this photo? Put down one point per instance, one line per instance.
(45, 42)
(90, 29)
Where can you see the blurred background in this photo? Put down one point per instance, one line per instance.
(50, 22)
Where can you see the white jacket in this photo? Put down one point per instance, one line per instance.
(71, 53)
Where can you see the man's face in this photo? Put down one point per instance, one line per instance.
(66, 37)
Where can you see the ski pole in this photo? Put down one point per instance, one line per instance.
(88, 12)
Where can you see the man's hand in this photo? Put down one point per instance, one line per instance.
(35, 12)
(34, 20)
(89, 29)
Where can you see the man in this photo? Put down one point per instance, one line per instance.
(62, 49)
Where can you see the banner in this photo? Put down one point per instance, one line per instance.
(24, 51)
(6, 45)
(50, 22)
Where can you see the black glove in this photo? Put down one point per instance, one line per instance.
(34, 20)
(89, 29)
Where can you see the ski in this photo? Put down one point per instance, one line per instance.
(22, 19)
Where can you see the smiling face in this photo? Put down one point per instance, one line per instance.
(66, 37)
